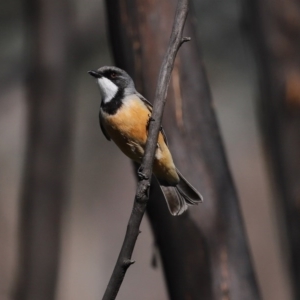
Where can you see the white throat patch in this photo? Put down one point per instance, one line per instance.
(107, 88)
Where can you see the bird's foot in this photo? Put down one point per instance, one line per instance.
(149, 120)
(141, 175)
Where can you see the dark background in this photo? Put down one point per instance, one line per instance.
(102, 184)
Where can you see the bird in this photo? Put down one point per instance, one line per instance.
(124, 118)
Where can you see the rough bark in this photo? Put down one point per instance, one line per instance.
(204, 252)
(46, 170)
(275, 29)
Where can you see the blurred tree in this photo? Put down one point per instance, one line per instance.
(204, 252)
(275, 27)
(47, 159)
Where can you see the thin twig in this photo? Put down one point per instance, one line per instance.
(142, 192)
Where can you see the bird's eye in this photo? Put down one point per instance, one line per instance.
(113, 75)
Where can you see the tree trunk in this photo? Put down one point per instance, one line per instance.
(204, 252)
(47, 160)
(275, 28)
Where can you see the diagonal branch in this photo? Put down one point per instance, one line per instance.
(142, 192)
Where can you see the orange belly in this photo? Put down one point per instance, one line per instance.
(128, 129)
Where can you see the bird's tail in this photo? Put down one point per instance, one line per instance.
(182, 195)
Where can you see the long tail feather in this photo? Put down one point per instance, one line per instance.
(176, 203)
(190, 194)
(180, 196)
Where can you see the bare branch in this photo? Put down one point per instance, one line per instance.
(142, 193)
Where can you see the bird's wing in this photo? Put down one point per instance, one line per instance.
(149, 106)
(102, 127)
(147, 103)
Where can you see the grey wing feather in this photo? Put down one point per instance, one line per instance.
(103, 129)
(149, 106)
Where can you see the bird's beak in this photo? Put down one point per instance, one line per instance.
(95, 74)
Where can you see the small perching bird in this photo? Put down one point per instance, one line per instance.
(124, 118)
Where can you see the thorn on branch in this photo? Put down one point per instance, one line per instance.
(127, 263)
(184, 40)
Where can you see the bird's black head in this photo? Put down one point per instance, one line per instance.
(111, 80)
(115, 84)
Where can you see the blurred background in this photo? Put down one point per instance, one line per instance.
(101, 183)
